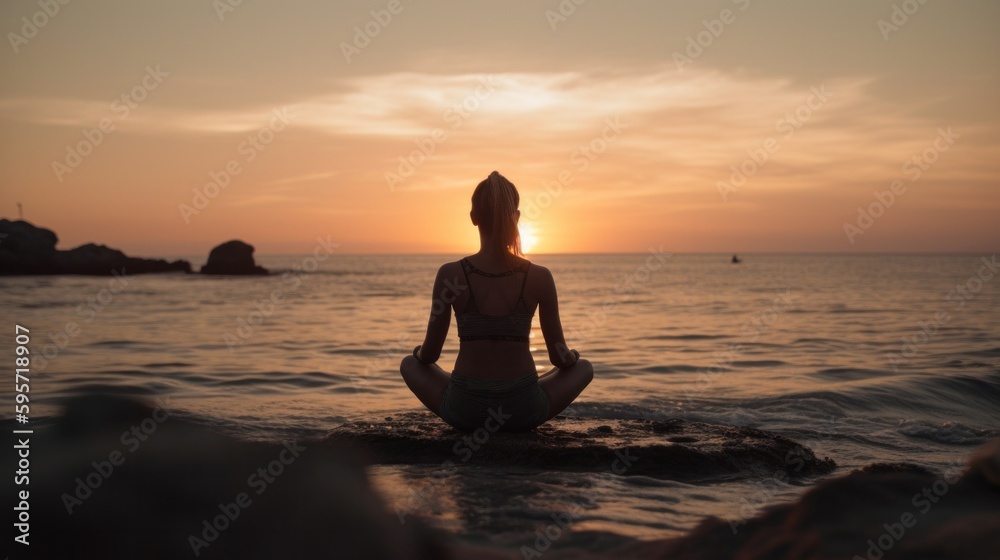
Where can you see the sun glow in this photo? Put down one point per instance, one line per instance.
(528, 237)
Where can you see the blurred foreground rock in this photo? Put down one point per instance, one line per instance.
(115, 478)
(874, 514)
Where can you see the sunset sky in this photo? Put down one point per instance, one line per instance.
(642, 125)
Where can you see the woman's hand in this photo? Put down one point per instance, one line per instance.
(567, 357)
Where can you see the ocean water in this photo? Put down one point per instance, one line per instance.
(880, 358)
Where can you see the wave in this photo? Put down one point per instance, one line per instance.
(158, 365)
(852, 374)
(759, 363)
(685, 337)
(991, 353)
(952, 433)
(682, 368)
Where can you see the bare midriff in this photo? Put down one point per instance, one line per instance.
(494, 359)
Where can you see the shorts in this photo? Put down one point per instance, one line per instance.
(517, 404)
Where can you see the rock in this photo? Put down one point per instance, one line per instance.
(232, 257)
(117, 478)
(870, 514)
(91, 254)
(96, 491)
(27, 249)
(699, 452)
(22, 238)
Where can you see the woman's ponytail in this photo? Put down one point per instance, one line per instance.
(494, 204)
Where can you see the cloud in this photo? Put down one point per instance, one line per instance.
(683, 132)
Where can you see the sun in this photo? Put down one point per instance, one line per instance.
(528, 237)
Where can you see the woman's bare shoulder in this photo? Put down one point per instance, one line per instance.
(539, 269)
(451, 266)
(450, 269)
(540, 276)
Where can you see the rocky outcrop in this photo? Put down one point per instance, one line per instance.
(672, 449)
(232, 257)
(27, 249)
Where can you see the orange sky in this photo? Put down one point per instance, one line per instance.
(619, 134)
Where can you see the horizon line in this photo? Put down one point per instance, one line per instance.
(625, 253)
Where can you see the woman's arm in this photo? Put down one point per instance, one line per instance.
(440, 320)
(548, 314)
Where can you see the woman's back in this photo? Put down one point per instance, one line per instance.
(494, 312)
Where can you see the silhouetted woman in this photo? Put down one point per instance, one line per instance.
(494, 294)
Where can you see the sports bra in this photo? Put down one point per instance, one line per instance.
(473, 325)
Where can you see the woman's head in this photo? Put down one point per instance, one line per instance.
(494, 210)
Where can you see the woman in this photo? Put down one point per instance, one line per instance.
(494, 294)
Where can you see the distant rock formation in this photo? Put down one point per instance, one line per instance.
(27, 249)
(232, 257)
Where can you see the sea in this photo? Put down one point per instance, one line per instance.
(863, 358)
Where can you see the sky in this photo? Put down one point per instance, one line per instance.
(700, 126)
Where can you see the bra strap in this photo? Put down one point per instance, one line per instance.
(524, 283)
(472, 297)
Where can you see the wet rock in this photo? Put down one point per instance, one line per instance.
(884, 514)
(705, 452)
(232, 257)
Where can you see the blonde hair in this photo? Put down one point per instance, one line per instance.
(494, 205)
